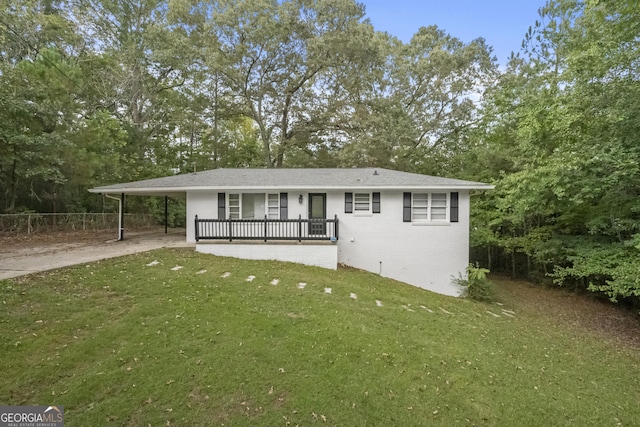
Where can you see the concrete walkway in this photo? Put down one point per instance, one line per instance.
(19, 261)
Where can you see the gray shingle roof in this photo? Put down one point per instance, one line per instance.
(313, 179)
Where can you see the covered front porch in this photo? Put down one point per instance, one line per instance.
(304, 241)
(266, 229)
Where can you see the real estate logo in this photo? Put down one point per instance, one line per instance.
(31, 416)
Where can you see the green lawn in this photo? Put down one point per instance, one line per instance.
(121, 343)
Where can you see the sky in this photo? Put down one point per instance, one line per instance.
(502, 23)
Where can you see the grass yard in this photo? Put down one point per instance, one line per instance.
(120, 343)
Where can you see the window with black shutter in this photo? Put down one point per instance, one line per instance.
(406, 207)
(453, 214)
(284, 206)
(376, 202)
(222, 209)
(348, 202)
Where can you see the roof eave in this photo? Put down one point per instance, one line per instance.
(164, 190)
(171, 192)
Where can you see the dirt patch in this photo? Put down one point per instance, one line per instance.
(610, 321)
(12, 242)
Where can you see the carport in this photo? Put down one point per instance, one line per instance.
(119, 192)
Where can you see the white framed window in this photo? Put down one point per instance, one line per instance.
(438, 208)
(420, 207)
(362, 202)
(234, 206)
(273, 206)
(254, 206)
(429, 207)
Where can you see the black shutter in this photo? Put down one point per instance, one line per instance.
(348, 202)
(376, 203)
(284, 206)
(222, 209)
(406, 207)
(453, 214)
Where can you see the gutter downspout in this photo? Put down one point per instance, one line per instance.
(120, 215)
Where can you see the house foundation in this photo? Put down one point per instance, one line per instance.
(318, 254)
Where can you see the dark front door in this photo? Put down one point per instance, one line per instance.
(317, 213)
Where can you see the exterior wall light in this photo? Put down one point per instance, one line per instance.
(300, 199)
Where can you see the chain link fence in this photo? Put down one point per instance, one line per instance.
(33, 223)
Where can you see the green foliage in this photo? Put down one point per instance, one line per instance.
(37, 105)
(476, 285)
(563, 151)
(613, 269)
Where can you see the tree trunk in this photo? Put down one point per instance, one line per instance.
(13, 187)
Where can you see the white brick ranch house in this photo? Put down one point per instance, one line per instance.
(410, 227)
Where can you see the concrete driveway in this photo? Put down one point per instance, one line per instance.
(18, 260)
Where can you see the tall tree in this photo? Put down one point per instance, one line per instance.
(38, 84)
(419, 116)
(278, 58)
(567, 196)
(134, 60)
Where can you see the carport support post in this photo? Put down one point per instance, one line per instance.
(121, 218)
(166, 213)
